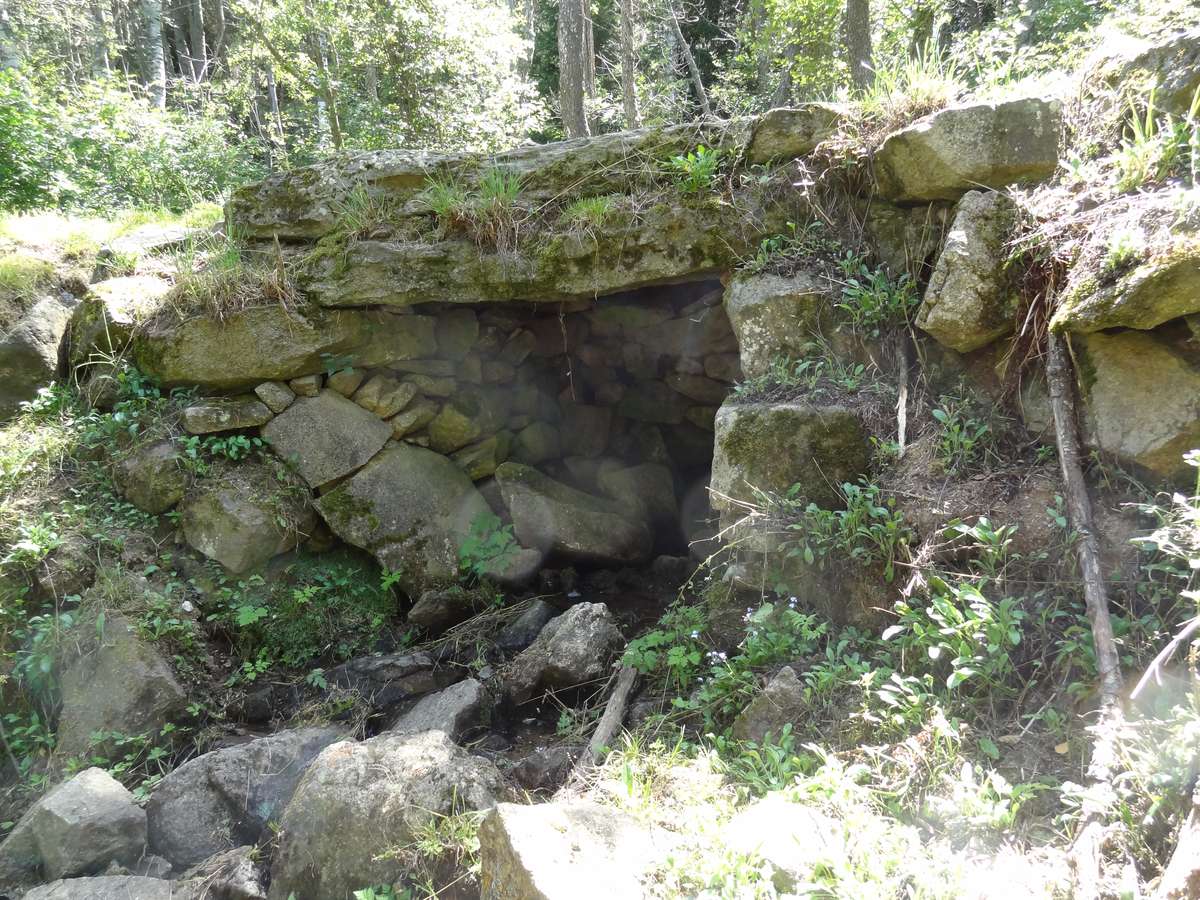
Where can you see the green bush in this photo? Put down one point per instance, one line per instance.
(100, 148)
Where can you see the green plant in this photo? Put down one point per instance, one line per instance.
(872, 302)
(696, 171)
(761, 767)
(1154, 147)
(906, 88)
(336, 363)
(1126, 247)
(589, 212)
(868, 530)
(447, 199)
(362, 213)
(488, 547)
(964, 437)
(672, 650)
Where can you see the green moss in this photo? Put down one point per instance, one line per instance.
(342, 508)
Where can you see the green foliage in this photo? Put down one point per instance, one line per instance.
(488, 547)
(872, 302)
(696, 171)
(868, 530)
(965, 438)
(761, 767)
(1126, 248)
(21, 273)
(200, 452)
(362, 213)
(962, 634)
(320, 608)
(1156, 147)
(673, 650)
(589, 212)
(906, 88)
(97, 147)
(797, 244)
(491, 216)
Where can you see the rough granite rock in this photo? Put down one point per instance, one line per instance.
(791, 132)
(646, 491)
(480, 460)
(962, 148)
(558, 520)
(78, 828)
(969, 301)
(1167, 66)
(113, 682)
(326, 437)
(226, 798)
(774, 316)
(1142, 400)
(225, 414)
(1157, 281)
(246, 517)
(304, 203)
(30, 352)
(781, 703)
(277, 395)
(384, 395)
(452, 710)
(384, 682)
(229, 354)
(523, 631)
(574, 850)
(770, 447)
(358, 800)
(410, 507)
(231, 875)
(571, 650)
(117, 887)
(152, 478)
(102, 324)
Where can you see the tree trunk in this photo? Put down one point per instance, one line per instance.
(150, 52)
(571, 69)
(858, 43)
(100, 61)
(197, 43)
(783, 90)
(589, 55)
(1087, 849)
(762, 53)
(690, 61)
(629, 66)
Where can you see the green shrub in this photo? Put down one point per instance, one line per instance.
(872, 302)
(696, 171)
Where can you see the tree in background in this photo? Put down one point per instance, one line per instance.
(858, 42)
(573, 66)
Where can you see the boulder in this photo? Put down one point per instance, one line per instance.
(229, 354)
(385, 395)
(32, 349)
(413, 419)
(410, 507)
(781, 703)
(566, 850)
(457, 330)
(480, 460)
(304, 203)
(646, 491)
(791, 132)
(555, 519)
(117, 887)
(1158, 281)
(458, 423)
(231, 875)
(345, 381)
(523, 631)
(113, 681)
(245, 516)
(102, 324)
(452, 710)
(966, 147)
(306, 385)
(698, 388)
(152, 478)
(970, 300)
(793, 839)
(358, 800)
(770, 447)
(438, 610)
(326, 437)
(653, 401)
(277, 395)
(226, 798)
(225, 414)
(383, 682)
(535, 443)
(1142, 400)
(585, 429)
(774, 317)
(78, 828)
(570, 651)
(151, 238)
(69, 568)
(1168, 66)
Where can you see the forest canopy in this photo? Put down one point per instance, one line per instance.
(133, 103)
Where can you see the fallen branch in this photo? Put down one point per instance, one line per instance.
(1181, 880)
(1086, 852)
(610, 721)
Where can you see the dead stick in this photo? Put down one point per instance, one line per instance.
(1086, 851)
(610, 721)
